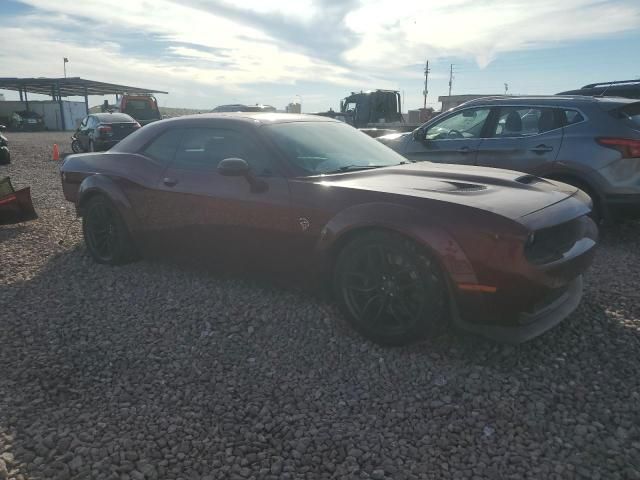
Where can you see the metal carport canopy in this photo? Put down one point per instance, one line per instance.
(69, 87)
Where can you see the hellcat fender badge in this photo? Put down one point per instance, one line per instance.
(304, 223)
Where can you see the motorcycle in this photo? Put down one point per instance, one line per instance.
(76, 147)
(5, 155)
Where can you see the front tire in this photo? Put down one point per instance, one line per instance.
(105, 233)
(76, 147)
(391, 290)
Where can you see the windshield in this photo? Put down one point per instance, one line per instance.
(141, 109)
(324, 147)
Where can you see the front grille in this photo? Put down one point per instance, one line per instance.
(550, 244)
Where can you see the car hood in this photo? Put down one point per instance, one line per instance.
(504, 192)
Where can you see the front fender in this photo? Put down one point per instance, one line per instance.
(407, 221)
(104, 185)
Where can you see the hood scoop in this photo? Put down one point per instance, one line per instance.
(530, 180)
(453, 187)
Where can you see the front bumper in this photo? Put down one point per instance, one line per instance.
(533, 324)
(531, 293)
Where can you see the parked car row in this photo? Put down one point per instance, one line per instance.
(407, 247)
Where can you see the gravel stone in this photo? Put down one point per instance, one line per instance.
(166, 370)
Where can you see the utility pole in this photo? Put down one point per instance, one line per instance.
(426, 82)
(65, 60)
(506, 88)
(450, 78)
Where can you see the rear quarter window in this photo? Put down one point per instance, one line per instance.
(630, 114)
(572, 116)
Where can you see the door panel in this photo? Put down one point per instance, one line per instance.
(525, 139)
(454, 139)
(444, 151)
(200, 212)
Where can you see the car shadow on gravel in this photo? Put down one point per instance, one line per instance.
(11, 231)
(101, 363)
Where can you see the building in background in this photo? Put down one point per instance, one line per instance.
(294, 108)
(420, 115)
(49, 110)
(61, 114)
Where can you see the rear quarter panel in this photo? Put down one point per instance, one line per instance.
(128, 180)
(582, 157)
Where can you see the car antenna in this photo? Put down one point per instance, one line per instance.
(605, 90)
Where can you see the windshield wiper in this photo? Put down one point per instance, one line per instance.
(355, 168)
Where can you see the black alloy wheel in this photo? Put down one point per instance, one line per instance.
(105, 233)
(392, 291)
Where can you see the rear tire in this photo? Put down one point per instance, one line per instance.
(390, 289)
(105, 233)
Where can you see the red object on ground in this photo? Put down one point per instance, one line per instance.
(56, 152)
(15, 205)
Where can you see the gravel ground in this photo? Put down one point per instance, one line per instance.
(156, 370)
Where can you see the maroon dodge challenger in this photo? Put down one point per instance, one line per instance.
(409, 248)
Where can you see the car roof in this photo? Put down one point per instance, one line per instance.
(113, 117)
(551, 100)
(265, 118)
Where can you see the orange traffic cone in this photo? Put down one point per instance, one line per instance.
(56, 152)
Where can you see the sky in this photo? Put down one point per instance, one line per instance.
(211, 52)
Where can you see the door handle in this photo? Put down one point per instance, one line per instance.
(169, 182)
(542, 149)
(465, 150)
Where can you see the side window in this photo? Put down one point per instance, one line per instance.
(463, 125)
(204, 148)
(572, 116)
(163, 148)
(93, 122)
(525, 121)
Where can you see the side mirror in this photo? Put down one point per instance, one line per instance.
(419, 134)
(233, 167)
(237, 167)
(2, 128)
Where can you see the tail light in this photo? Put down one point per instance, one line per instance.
(105, 130)
(629, 148)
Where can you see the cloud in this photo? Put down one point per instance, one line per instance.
(212, 48)
(478, 29)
